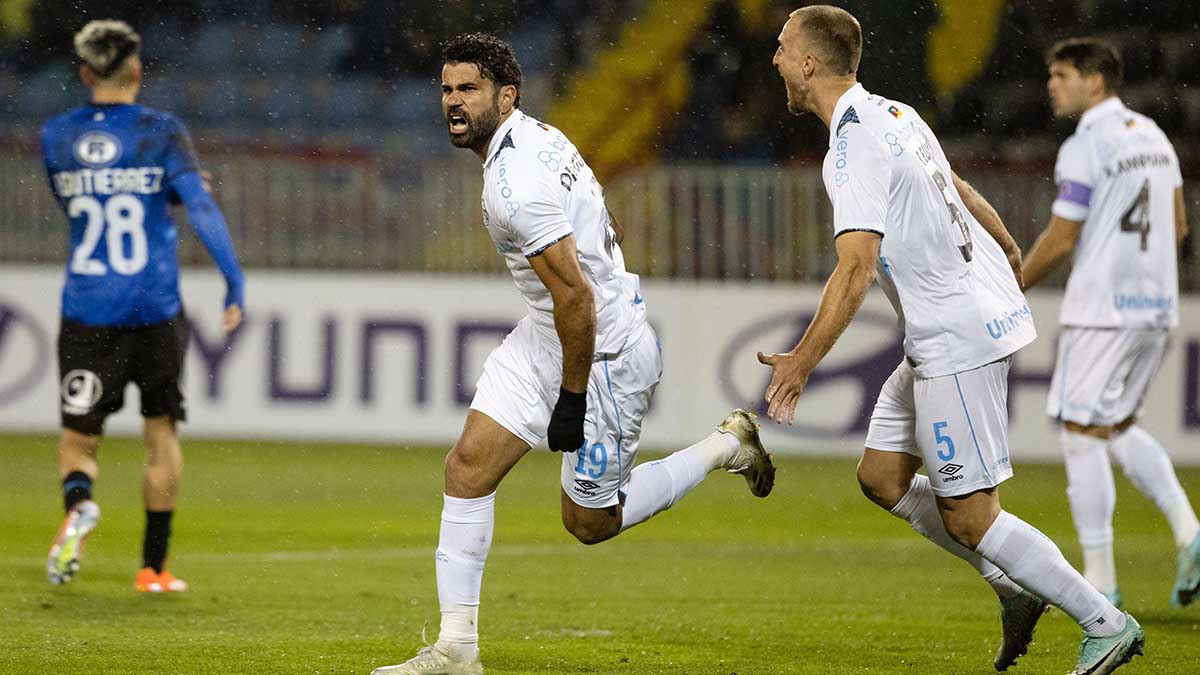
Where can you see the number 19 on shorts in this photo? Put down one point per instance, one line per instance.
(593, 461)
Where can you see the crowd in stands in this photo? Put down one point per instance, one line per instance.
(281, 71)
(736, 110)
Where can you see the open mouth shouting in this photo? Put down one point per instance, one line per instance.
(457, 122)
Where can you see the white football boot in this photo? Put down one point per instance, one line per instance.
(431, 660)
(751, 459)
(63, 561)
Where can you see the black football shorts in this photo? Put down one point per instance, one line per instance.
(96, 363)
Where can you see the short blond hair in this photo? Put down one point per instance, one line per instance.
(836, 34)
(104, 45)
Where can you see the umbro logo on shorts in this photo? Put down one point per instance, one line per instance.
(950, 469)
(586, 484)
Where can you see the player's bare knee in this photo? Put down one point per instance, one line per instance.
(880, 488)
(467, 475)
(590, 526)
(457, 470)
(964, 530)
(592, 532)
(967, 518)
(1125, 424)
(77, 452)
(77, 443)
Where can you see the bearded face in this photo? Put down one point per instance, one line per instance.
(470, 105)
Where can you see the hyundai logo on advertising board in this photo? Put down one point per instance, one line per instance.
(20, 335)
(860, 366)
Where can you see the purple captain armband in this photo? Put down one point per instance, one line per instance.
(1076, 193)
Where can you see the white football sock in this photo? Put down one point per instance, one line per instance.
(656, 486)
(1029, 558)
(1093, 497)
(919, 508)
(463, 545)
(1149, 468)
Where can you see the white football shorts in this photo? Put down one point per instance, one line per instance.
(957, 424)
(519, 387)
(1102, 374)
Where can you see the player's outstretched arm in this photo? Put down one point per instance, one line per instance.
(1052, 246)
(1181, 223)
(844, 293)
(210, 226)
(575, 320)
(991, 221)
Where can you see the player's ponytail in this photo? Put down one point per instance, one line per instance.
(104, 44)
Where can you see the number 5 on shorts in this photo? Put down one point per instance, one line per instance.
(948, 454)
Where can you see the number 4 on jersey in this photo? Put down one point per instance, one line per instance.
(1137, 218)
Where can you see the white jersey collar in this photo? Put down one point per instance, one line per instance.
(853, 95)
(1109, 105)
(503, 132)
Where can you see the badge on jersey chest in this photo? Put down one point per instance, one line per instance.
(97, 149)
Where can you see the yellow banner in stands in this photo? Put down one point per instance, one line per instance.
(612, 110)
(962, 42)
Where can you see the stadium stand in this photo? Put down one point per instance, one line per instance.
(654, 93)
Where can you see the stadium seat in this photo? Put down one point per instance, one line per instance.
(349, 101)
(220, 101)
(10, 86)
(168, 51)
(537, 48)
(412, 102)
(212, 47)
(166, 93)
(277, 48)
(1181, 57)
(325, 47)
(1189, 106)
(47, 93)
(1017, 109)
(1157, 101)
(1140, 51)
(285, 99)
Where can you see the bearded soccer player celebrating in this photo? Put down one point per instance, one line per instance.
(114, 166)
(579, 370)
(1120, 215)
(948, 266)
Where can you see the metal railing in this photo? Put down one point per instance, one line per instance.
(361, 212)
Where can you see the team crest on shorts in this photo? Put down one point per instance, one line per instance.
(81, 389)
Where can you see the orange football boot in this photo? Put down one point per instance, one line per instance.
(149, 581)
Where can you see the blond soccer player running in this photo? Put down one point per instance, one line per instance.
(944, 261)
(122, 312)
(1119, 214)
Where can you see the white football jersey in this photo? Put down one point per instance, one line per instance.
(537, 190)
(1117, 174)
(951, 285)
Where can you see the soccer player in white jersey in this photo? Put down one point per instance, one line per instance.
(1120, 213)
(578, 370)
(944, 259)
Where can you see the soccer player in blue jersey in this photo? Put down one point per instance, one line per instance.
(115, 167)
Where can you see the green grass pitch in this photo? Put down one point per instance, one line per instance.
(312, 558)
